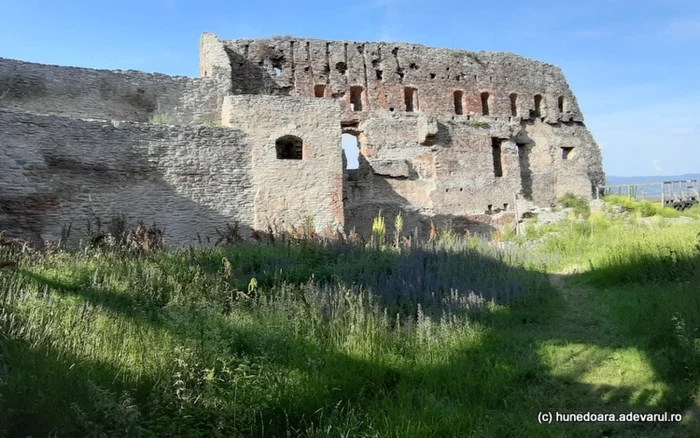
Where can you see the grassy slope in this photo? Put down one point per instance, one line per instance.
(119, 345)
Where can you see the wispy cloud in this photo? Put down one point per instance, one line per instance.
(390, 28)
(590, 33)
(657, 166)
(687, 29)
(683, 131)
(649, 137)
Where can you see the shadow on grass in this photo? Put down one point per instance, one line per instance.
(653, 303)
(494, 385)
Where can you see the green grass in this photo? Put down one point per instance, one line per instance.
(579, 205)
(454, 338)
(159, 118)
(647, 208)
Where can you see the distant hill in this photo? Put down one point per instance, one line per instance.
(611, 180)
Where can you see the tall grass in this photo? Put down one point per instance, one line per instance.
(260, 340)
(322, 338)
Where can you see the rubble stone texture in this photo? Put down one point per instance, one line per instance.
(445, 135)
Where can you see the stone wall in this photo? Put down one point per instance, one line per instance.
(379, 76)
(109, 95)
(57, 172)
(464, 171)
(445, 135)
(290, 190)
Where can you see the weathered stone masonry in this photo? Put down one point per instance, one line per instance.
(444, 135)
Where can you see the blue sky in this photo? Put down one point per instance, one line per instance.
(634, 65)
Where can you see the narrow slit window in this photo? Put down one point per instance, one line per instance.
(514, 105)
(496, 151)
(566, 153)
(356, 98)
(289, 147)
(538, 105)
(410, 99)
(485, 103)
(561, 104)
(319, 90)
(458, 102)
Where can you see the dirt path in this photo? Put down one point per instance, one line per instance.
(580, 319)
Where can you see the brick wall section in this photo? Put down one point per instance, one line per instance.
(289, 190)
(384, 70)
(57, 171)
(109, 95)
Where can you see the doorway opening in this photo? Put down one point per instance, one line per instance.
(351, 149)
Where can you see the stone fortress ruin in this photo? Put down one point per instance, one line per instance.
(256, 140)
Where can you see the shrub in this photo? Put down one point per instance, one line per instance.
(159, 118)
(379, 229)
(579, 205)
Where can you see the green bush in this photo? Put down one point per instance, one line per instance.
(579, 205)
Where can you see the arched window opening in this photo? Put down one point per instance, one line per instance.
(319, 90)
(513, 104)
(351, 149)
(458, 102)
(289, 147)
(538, 105)
(485, 103)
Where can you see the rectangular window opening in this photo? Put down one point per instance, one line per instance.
(566, 152)
(356, 98)
(496, 151)
(560, 103)
(538, 105)
(410, 99)
(319, 90)
(458, 102)
(522, 149)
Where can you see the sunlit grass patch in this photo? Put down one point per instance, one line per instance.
(643, 207)
(619, 375)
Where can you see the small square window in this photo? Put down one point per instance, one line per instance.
(567, 153)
